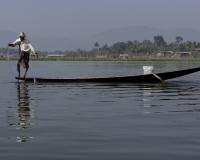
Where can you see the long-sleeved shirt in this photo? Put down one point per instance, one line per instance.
(25, 46)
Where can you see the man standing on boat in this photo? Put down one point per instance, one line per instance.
(25, 49)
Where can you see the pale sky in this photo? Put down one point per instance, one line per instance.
(79, 19)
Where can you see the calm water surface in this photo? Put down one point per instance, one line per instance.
(90, 121)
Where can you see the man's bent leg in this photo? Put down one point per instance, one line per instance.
(18, 69)
(27, 67)
(25, 73)
(25, 60)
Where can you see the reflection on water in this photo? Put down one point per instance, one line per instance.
(170, 97)
(101, 121)
(23, 139)
(20, 116)
(24, 111)
(23, 106)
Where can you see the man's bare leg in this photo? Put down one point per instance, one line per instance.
(18, 69)
(25, 73)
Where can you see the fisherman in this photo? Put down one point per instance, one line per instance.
(25, 49)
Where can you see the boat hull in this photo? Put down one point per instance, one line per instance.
(117, 79)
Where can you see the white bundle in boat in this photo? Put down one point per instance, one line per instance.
(148, 69)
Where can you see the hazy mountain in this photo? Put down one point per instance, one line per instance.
(40, 43)
(109, 37)
(6, 37)
(53, 43)
(141, 33)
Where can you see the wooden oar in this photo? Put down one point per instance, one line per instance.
(158, 77)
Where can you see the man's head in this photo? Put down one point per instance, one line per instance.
(22, 36)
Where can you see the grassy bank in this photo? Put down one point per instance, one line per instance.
(111, 59)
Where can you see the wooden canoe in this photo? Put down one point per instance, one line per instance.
(118, 79)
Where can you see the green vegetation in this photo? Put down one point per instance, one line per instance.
(136, 51)
(190, 59)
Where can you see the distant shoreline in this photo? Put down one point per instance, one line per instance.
(111, 59)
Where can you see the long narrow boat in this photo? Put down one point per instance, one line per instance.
(119, 79)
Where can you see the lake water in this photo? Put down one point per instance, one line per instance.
(95, 121)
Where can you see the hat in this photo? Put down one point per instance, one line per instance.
(22, 34)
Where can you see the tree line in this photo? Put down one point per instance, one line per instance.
(132, 48)
(146, 46)
(136, 48)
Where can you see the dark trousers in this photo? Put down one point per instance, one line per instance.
(23, 60)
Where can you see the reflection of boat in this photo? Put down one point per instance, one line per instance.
(119, 79)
